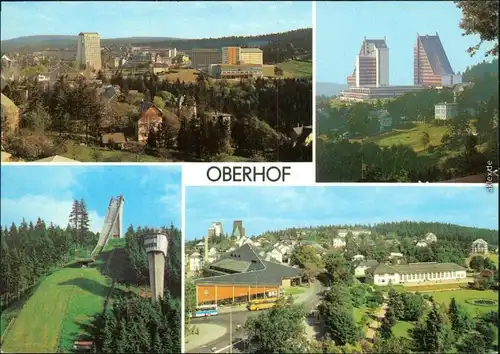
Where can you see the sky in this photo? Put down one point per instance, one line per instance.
(197, 19)
(152, 193)
(342, 26)
(274, 208)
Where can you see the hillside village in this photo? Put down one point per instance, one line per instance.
(132, 102)
(347, 276)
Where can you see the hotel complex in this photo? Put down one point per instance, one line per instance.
(370, 79)
(88, 52)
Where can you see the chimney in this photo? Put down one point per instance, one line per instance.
(205, 256)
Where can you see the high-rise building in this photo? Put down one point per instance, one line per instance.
(217, 226)
(372, 65)
(203, 58)
(231, 55)
(88, 52)
(251, 56)
(431, 66)
(238, 229)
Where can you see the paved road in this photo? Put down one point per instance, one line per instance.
(309, 299)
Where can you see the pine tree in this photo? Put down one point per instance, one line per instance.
(84, 216)
(74, 216)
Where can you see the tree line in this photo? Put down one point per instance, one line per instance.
(30, 250)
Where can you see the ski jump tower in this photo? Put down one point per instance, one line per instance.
(112, 227)
(156, 245)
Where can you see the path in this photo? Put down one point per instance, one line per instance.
(375, 324)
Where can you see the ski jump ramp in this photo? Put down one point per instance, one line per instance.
(112, 227)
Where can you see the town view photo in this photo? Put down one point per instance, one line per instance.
(327, 270)
(413, 98)
(90, 265)
(217, 81)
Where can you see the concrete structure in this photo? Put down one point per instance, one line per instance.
(88, 53)
(372, 65)
(217, 226)
(445, 111)
(238, 229)
(231, 55)
(156, 245)
(431, 66)
(113, 222)
(417, 273)
(241, 71)
(242, 275)
(251, 56)
(479, 246)
(359, 94)
(203, 58)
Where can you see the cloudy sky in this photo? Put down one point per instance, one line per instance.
(273, 208)
(152, 194)
(197, 19)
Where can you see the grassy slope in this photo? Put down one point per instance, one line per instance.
(65, 297)
(294, 68)
(84, 154)
(412, 136)
(401, 329)
(466, 294)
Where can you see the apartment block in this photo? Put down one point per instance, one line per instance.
(251, 56)
(372, 65)
(203, 58)
(88, 53)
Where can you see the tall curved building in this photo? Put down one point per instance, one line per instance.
(113, 223)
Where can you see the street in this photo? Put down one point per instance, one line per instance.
(309, 299)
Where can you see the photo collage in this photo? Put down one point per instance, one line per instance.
(249, 177)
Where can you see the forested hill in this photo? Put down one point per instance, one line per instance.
(451, 232)
(300, 39)
(399, 230)
(479, 70)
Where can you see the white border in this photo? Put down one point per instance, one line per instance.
(183, 262)
(314, 90)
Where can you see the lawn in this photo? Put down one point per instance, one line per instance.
(186, 75)
(296, 290)
(412, 137)
(85, 154)
(492, 256)
(50, 319)
(295, 68)
(401, 329)
(468, 294)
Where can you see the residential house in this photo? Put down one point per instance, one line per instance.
(113, 140)
(358, 257)
(445, 111)
(363, 266)
(195, 262)
(418, 273)
(430, 237)
(421, 243)
(384, 119)
(479, 246)
(150, 120)
(338, 242)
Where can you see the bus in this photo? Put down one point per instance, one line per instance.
(205, 311)
(261, 304)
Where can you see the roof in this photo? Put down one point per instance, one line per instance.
(259, 270)
(436, 55)
(412, 268)
(479, 240)
(84, 33)
(113, 137)
(56, 158)
(368, 263)
(251, 50)
(236, 66)
(147, 105)
(378, 43)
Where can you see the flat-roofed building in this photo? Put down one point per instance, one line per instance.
(445, 111)
(251, 56)
(88, 52)
(203, 58)
(418, 273)
(231, 55)
(372, 65)
(359, 94)
(242, 71)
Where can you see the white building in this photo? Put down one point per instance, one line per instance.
(395, 255)
(195, 262)
(363, 266)
(421, 243)
(338, 242)
(430, 237)
(88, 52)
(372, 65)
(445, 111)
(251, 56)
(418, 273)
(479, 246)
(217, 226)
(358, 257)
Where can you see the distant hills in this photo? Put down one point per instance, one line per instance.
(329, 89)
(301, 38)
